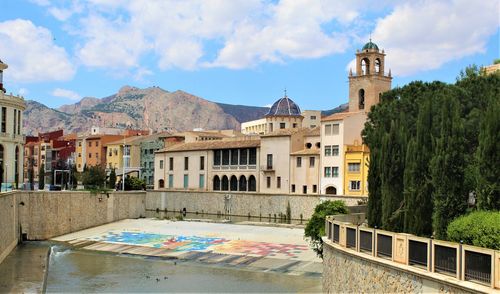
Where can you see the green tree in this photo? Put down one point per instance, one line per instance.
(315, 227)
(41, 178)
(133, 183)
(73, 177)
(488, 159)
(94, 177)
(31, 177)
(447, 169)
(112, 179)
(374, 209)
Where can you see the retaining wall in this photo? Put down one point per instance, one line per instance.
(44, 215)
(238, 203)
(8, 224)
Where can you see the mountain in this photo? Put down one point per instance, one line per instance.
(340, 108)
(151, 108)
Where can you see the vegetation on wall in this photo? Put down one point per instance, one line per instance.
(315, 227)
(432, 145)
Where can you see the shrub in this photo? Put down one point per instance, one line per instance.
(480, 228)
(133, 183)
(315, 227)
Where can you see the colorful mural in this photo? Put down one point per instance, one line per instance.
(197, 243)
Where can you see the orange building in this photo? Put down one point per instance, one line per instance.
(91, 150)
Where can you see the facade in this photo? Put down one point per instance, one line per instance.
(305, 165)
(356, 159)
(149, 146)
(254, 127)
(91, 150)
(124, 156)
(312, 118)
(11, 136)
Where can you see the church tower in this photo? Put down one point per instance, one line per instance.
(370, 80)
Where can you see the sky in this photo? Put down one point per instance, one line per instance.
(235, 51)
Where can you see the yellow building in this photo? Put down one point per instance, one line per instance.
(117, 155)
(356, 159)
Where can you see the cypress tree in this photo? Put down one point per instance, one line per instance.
(41, 178)
(112, 179)
(488, 159)
(447, 168)
(374, 209)
(392, 180)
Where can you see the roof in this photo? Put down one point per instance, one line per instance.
(370, 45)
(340, 116)
(284, 106)
(283, 132)
(127, 140)
(210, 145)
(314, 151)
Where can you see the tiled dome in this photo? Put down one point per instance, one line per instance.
(284, 106)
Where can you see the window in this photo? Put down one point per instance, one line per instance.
(90, 144)
(299, 161)
(234, 156)
(308, 145)
(315, 188)
(335, 129)
(170, 181)
(186, 163)
(252, 184)
(202, 162)
(313, 126)
(353, 167)
(335, 150)
(161, 164)
(268, 182)
(202, 181)
(79, 155)
(217, 157)
(304, 189)
(328, 172)
(252, 156)
(313, 117)
(335, 171)
(90, 155)
(225, 157)
(79, 144)
(282, 125)
(151, 165)
(271, 127)
(97, 156)
(4, 119)
(15, 121)
(96, 143)
(186, 181)
(278, 182)
(269, 161)
(361, 97)
(354, 185)
(216, 183)
(170, 163)
(243, 156)
(115, 151)
(328, 130)
(294, 125)
(293, 188)
(311, 161)
(328, 150)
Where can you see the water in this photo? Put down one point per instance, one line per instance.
(87, 271)
(233, 219)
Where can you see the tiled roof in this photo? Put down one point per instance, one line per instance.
(339, 116)
(128, 140)
(314, 151)
(210, 145)
(289, 132)
(284, 106)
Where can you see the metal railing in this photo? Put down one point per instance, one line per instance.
(462, 262)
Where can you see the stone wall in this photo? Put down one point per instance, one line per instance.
(8, 224)
(237, 203)
(44, 215)
(351, 273)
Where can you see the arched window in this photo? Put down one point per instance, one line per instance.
(161, 183)
(377, 65)
(225, 183)
(361, 99)
(308, 145)
(252, 184)
(216, 183)
(243, 183)
(234, 183)
(331, 190)
(365, 66)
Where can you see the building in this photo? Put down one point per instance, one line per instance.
(258, 127)
(11, 136)
(493, 68)
(91, 150)
(149, 146)
(337, 130)
(356, 158)
(305, 165)
(124, 156)
(312, 118)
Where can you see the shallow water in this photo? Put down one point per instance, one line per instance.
(88, 271)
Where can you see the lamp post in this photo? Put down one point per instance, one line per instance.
(123, 163)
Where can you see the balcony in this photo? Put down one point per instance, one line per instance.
(267, 168)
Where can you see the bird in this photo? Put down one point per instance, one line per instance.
(147, 277)
(157, 280)
(165, 278)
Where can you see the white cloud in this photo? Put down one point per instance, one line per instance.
(31, 54)
(23, 91)
(424, 35)
(64, 93)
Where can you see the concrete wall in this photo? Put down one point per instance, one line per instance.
(235, 203)
(48, 214)
(8, 224)
(351, 272)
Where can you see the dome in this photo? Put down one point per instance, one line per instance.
(284, 106)
(370, 45)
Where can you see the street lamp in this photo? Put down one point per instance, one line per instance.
(123, 163)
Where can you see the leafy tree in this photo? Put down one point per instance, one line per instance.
(41, 177)
(112, 179)
(133, 183)
(315, 227)
(447, 169)
(488, 159)
(94, 177)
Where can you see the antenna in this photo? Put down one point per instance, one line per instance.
(285, 93)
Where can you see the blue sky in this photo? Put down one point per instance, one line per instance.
(235, 51)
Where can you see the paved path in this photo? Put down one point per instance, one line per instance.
(252, 247)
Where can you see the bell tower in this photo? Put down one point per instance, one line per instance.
(370, 80)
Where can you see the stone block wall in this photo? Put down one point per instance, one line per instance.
(238, 203)
(9, 229)
(44, 215)
(350, 273)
